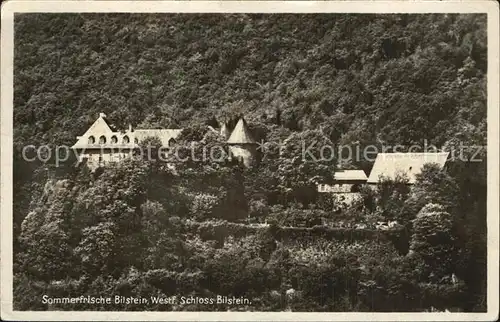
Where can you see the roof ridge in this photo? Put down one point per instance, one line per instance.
(241, 134)
(410, 163)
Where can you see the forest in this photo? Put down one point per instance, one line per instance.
(138, 228)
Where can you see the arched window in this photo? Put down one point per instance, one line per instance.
(126, 140)
(114, 139)
(136, 141)
(102, 139)
(171, 142)
(91, 139)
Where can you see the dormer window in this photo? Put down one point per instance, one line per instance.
(91, 140)
(126, 139)
(102, 139)
(114, 139)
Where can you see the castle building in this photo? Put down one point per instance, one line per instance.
(242, 146)
(102, 144)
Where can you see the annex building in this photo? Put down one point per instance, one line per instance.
(387, 165)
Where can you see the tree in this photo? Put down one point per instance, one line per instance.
(207, 154)
(163, 246)
(45, 235)
(149, 149)
(299, 163)
(432, 185)
(204, 206)
(391, 194)
(434, 242)
(97, 249)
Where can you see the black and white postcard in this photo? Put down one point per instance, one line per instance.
(250, 160)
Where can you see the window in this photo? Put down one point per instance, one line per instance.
(136, 141)
(114, 139)
(171, 142)
(91, 140)
(126, 140)
(102, 140)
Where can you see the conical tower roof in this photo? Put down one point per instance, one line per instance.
(241, 134)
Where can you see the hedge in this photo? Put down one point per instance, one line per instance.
(219, 230)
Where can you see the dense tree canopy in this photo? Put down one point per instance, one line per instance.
(398, 78)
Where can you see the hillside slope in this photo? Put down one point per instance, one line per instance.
(391, 78)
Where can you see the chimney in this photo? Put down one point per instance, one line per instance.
(102, 115)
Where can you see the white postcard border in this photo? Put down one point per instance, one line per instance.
(6, 132)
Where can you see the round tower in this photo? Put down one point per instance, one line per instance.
(242, 146)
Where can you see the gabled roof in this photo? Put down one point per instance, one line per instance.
(100, 126)
(391, 164)
(122, 140)
(241, 134)
(350, 175)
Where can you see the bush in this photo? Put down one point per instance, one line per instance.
(258, 209)
(434, 242)
(204, 205)
(296, 217)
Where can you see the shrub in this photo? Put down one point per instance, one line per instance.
(433, 241)
(258, 209)
(204, 205)
(296, 217)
